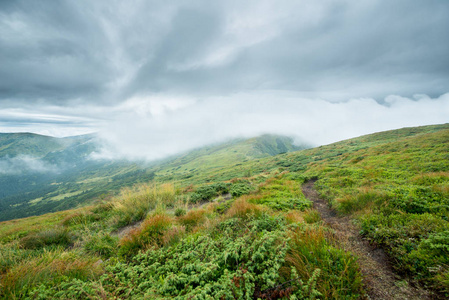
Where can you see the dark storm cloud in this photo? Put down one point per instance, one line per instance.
(342, 49)
(109, 50)
(50, 50)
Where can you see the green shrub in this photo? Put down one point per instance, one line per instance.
(267, 222)
(207, 192)
(223, 206)
(180, 212)
(239, 189)
(280, 203)
(199, 268)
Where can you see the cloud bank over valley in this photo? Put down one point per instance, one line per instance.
(157, 78)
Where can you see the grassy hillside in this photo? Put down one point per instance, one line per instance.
(13, 144)
(243, 229)
(72, 179)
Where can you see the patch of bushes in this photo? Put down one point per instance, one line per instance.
(180, 212)
(200, 267)
(207, 192)
(223, 206)
(268, 222)
(240, 189)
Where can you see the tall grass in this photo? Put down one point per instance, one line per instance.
(313, 247)
(241, 208)
(156, 231)
(51, 268)
(133, 204)
(57, 236)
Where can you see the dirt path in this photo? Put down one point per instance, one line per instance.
(379, 279)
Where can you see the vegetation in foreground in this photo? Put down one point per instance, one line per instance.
(243, 247)
(246, 231)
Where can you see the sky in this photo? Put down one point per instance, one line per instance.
(154, 78)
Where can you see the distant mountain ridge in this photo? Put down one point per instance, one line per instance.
(40, 174)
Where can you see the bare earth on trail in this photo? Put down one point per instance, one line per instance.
(379, 279)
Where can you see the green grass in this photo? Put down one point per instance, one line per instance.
(265, 241)
(399, 192)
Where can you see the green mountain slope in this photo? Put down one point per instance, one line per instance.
(13, 144)
(70, 178)
(240, 228)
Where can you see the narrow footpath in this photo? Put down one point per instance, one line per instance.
(379, 279)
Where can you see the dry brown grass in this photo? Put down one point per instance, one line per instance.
(193, 218)
(51, 266)
(133, 204)
(294, 216)
(241, 208)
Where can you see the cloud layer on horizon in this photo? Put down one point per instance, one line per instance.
(181, 74)
(152, 129)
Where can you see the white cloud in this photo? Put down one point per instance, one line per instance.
(168, 131)
(152, 126)
(25, 164)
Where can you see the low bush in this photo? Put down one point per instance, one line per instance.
(207, 192)
(239, 189)
(199, 267)
(268, 222)
(180, 212)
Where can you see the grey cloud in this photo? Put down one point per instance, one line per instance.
(51, 50)
(107, 51)
(200, 71)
